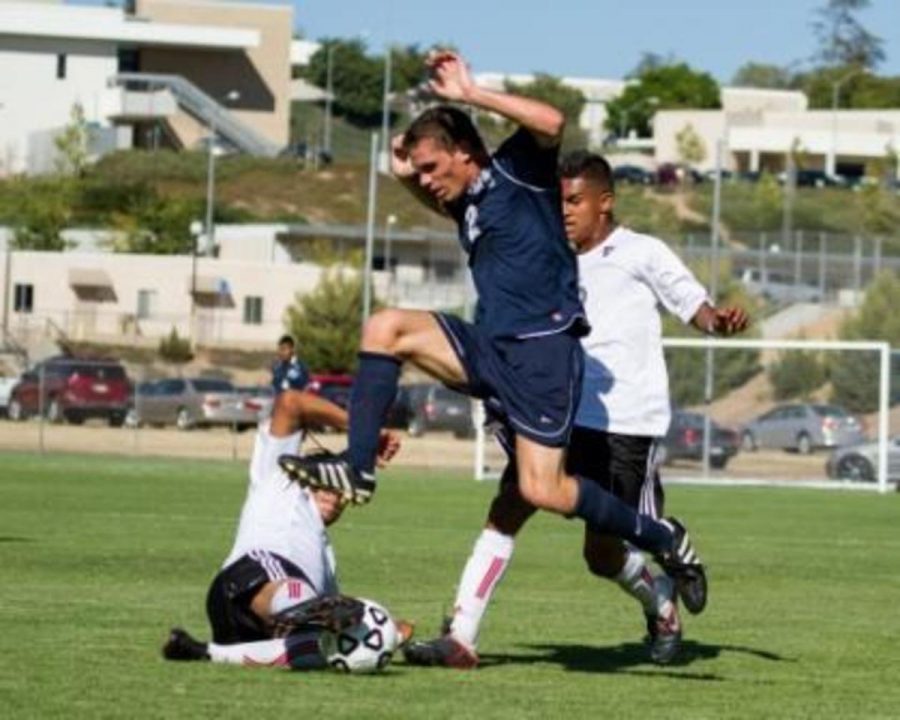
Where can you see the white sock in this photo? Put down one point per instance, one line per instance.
(637, 580)
(483, 572)
(299, 651)
(292, 592)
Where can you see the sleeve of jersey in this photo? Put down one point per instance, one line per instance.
(672, 282)
(526, 162)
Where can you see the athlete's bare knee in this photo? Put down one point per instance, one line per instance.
(509, 513)
(544, 491)
(382, 330)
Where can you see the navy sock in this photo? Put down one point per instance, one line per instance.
(373, 394)
(604, 511)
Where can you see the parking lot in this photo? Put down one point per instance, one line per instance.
(437, 449)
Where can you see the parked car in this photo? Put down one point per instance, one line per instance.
(258, 399)
(72, 390)
(859, 463)
(684, 441)
(632, 175)
(803, 427)
(779, 288)
(6, 387)
(813, 178)
(192, 402)
(336, 388)
(672, 174)
(431, 406)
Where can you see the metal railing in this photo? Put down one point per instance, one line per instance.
(206, 109)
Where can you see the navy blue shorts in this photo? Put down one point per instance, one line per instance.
(532, 385)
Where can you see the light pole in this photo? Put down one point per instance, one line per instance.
(210, 228)
(196, 229)
(329, 93)
(831, 160)
(386, 111)
(389, 223)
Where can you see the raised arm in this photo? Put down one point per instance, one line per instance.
(451, 80)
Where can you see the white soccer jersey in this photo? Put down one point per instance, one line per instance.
(281, 517)
(623, 282)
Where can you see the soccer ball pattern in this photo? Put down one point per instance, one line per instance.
(365, 648)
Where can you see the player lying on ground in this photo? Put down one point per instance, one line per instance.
(522, 355)
(625, 278)
(277, 590)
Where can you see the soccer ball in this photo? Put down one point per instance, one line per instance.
(364, 648)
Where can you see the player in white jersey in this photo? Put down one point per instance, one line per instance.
(277, 588)
(624, 278)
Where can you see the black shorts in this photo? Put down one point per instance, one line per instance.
(624, 465)
(531, 385)
(233, 589)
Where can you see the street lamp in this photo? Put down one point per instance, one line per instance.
(389, 223)
(386, 111)
(329, 94)
(231, 97)
(196, 229)
(831, 160)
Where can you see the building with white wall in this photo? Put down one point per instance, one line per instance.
(237, 299)
(55, 56)
(761, 127)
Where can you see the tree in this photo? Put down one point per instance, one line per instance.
(175, 349)
(358, 78)
(762, 75)
(43, 211)
(797, 374)
(568, 100)
(691, 149)
(328, 320)
(767, 203)
(658, 88)
(72, 144)
(855, 375)
(842, 38)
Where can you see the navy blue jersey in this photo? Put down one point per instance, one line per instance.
(510, 224)
(289, 375)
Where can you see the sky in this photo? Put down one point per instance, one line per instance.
(592, 38)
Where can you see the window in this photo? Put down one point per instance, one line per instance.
(146, 304)
(253, 310)
(129, 60)
(23, 298)
(61, 66)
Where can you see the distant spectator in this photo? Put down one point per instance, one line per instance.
(288, 372)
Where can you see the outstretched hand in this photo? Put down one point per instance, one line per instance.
(388, 446)
(730, 320)
(449, 76)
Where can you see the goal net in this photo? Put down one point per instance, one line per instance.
(797, 413)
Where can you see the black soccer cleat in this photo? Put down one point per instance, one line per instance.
(683, 565)
(664, 630)
(334, 613)
(444, 651)
(182, 646)
(327, 471)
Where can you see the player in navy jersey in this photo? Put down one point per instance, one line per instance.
(522, 355)
(625, 407)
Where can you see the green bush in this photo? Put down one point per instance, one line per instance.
(796, 374)
(328, 321)
(174, 349)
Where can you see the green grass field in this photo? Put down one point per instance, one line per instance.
(101, 556)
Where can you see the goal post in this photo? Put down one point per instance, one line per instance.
(775, 469)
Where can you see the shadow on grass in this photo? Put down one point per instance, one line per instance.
(15, 539)
(627, 658)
